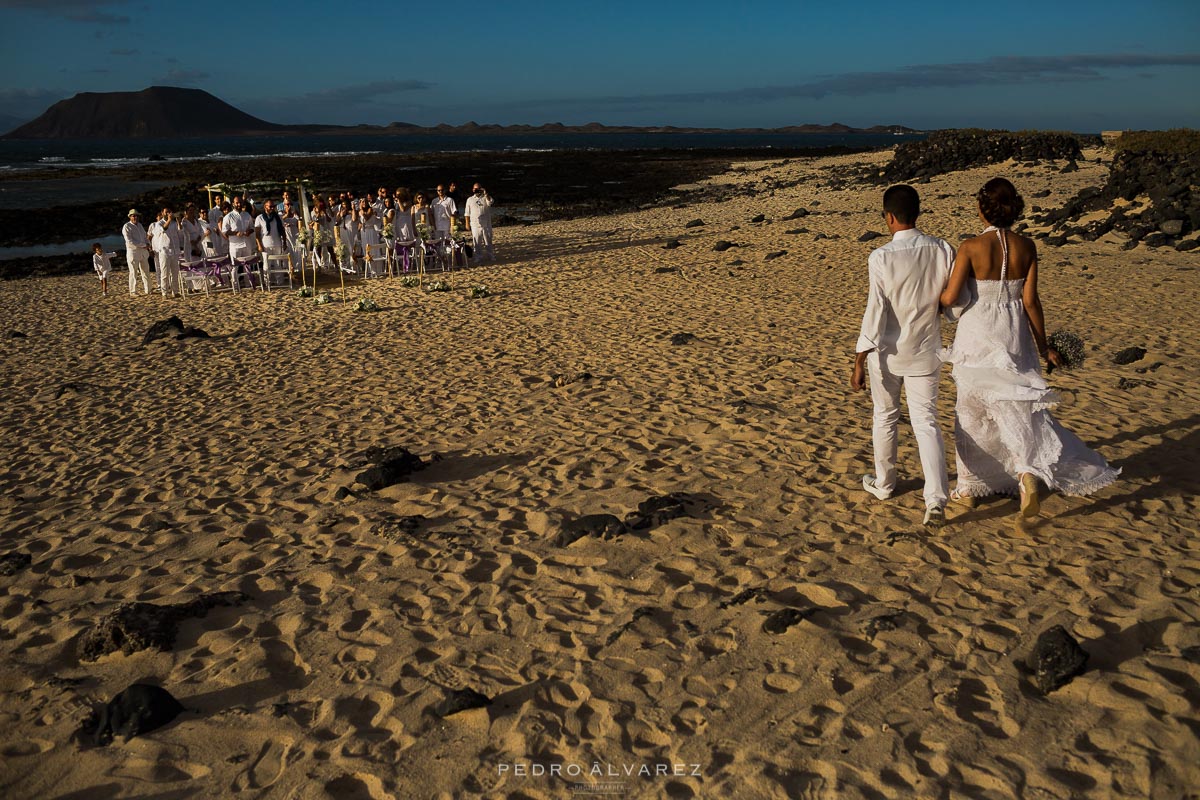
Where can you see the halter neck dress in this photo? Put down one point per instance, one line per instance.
(1002, 423)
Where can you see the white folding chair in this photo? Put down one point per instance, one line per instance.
(193, 275)
(244, 268)
(276, 264)
(404, 255)
(375, 260)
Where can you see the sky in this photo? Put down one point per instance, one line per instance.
(1081, 66)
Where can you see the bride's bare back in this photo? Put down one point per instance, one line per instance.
(984, 256)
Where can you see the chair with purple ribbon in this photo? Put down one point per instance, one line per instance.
(193, 274)
(216, 268)
(404, 254)
(246, 267)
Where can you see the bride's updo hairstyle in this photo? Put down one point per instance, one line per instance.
(1000, 203)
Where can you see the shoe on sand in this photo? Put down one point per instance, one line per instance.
(935, 517)
(870, 486)
(1030, 506)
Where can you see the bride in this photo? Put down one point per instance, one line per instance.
(1005, 437)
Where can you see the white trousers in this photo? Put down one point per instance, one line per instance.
(922, 393)
(139, 264)
(168, 271)
(481, 241)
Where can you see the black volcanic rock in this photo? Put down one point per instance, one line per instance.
(160, 112)
(952, 150)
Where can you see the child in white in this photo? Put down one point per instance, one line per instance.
(102, 263)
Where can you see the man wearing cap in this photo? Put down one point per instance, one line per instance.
(137, 252)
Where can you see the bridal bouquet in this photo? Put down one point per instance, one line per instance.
(1069, 346)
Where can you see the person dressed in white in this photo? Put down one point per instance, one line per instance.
(347, 222)
(166, 236)
(238, 228)
(898, 346)
(479, 221)
(102, 263)
(270, 231)
(137, 252)
(370, 236)
(192, 234)
(444, 210)
(291, 228)
(1006, 439)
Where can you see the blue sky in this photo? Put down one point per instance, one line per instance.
(1084, 66)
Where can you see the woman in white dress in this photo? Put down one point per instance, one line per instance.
(370, 235)
(1005, 438)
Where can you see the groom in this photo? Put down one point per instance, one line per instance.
(898, 345)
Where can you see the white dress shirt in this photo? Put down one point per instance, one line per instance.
(239, 229)
(901, 321)
(443, 210)
(479, 210)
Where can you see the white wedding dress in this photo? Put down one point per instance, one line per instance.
(1002, 422)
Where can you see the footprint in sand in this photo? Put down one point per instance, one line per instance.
(266, 767)
(980, 703)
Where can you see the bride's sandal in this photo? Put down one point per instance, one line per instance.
(963, 499)
(1029, 495)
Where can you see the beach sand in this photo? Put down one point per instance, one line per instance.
(161, 473)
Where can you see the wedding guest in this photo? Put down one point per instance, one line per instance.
(403, 221)
(479, 222)
(218, 240)
(270, 232)
(291, 227)
(137, 252)
(166, 236)
(347, 225)
(370, 232)
(444, 210)
(422, 214)
(238, 228)
(102, 263)
(192, 234)
(899, 343)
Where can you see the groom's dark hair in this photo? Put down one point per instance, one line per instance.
(903, 203)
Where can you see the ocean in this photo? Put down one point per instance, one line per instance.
(21, 156)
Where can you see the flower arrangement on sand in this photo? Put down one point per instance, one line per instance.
(367, 304)
(437, 286)
(304, 291)
(478, 291)
(1069, 346)
(323, 298)
(410, 280)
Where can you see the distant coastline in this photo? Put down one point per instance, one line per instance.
(168, 112)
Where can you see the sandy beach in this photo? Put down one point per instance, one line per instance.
(162, 473)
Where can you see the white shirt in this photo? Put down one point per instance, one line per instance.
(135, 235)
(443, 210)
(166, 237)
(901, 321)
(479, 210)
(102, 263)
(270, 238)
(238, 226)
